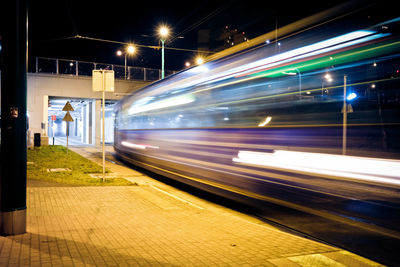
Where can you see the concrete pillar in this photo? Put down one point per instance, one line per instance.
(98, 123)
(45, 116)
(83, 117)
(90, 122)
(76, 125)
(13, 117)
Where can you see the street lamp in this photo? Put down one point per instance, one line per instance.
(199, 60)
(163, 32)
(328, 79)
(130, 50)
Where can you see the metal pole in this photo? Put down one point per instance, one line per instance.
(162, 59)
(57, 67)
(52, 128)
(67, 134)
(344, 139)
(103, 128)
(299, 82)
(125, 67)
(103, 123)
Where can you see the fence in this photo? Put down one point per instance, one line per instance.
(84, 68)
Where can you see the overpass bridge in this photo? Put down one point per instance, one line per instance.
(56, 81)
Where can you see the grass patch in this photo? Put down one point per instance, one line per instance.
(52, 157)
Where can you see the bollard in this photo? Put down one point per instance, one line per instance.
(36, 139)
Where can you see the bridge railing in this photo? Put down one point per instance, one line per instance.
(84, 68)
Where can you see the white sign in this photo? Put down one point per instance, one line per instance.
(103, 80)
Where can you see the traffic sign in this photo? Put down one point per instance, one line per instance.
(53, 117)
(68, 117)
(103, 80)
(68, 107)
(349, 109)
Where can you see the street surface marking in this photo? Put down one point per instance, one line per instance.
(315, 260)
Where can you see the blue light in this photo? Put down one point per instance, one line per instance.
(351, 96)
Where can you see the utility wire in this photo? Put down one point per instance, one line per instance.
(139, 45)
(197, 23)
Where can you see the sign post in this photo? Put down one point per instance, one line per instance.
(67, 118)
(103, 81)
(53, 118)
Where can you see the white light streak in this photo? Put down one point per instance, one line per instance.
(367, 169)
(169, 102)
(199, 69)
(138, 146)
(265, 122)
(300, 53)
(316, 46)
(325, 46)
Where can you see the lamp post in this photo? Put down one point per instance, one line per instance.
(163, 32)
(130, 50)
(292, 73)
(298, 71)
(344, 138)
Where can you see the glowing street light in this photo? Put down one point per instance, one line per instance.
(328, 79)
(199, 60)
(130, 50)
(163, 31)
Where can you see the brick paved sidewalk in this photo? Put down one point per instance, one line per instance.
(151, 224)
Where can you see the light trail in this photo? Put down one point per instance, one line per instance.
(359, 168)
(138, 146)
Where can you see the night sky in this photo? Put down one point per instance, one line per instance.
(52, 24)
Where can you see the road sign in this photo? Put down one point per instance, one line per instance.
(349, 109)
(53, 117)
(103, 80)
(68, 107)
(68, 117)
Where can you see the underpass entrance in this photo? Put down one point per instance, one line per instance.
(85, 129)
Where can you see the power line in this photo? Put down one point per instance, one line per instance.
(139, 45)
(198, 23)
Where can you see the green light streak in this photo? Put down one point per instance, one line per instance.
(335, 59)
